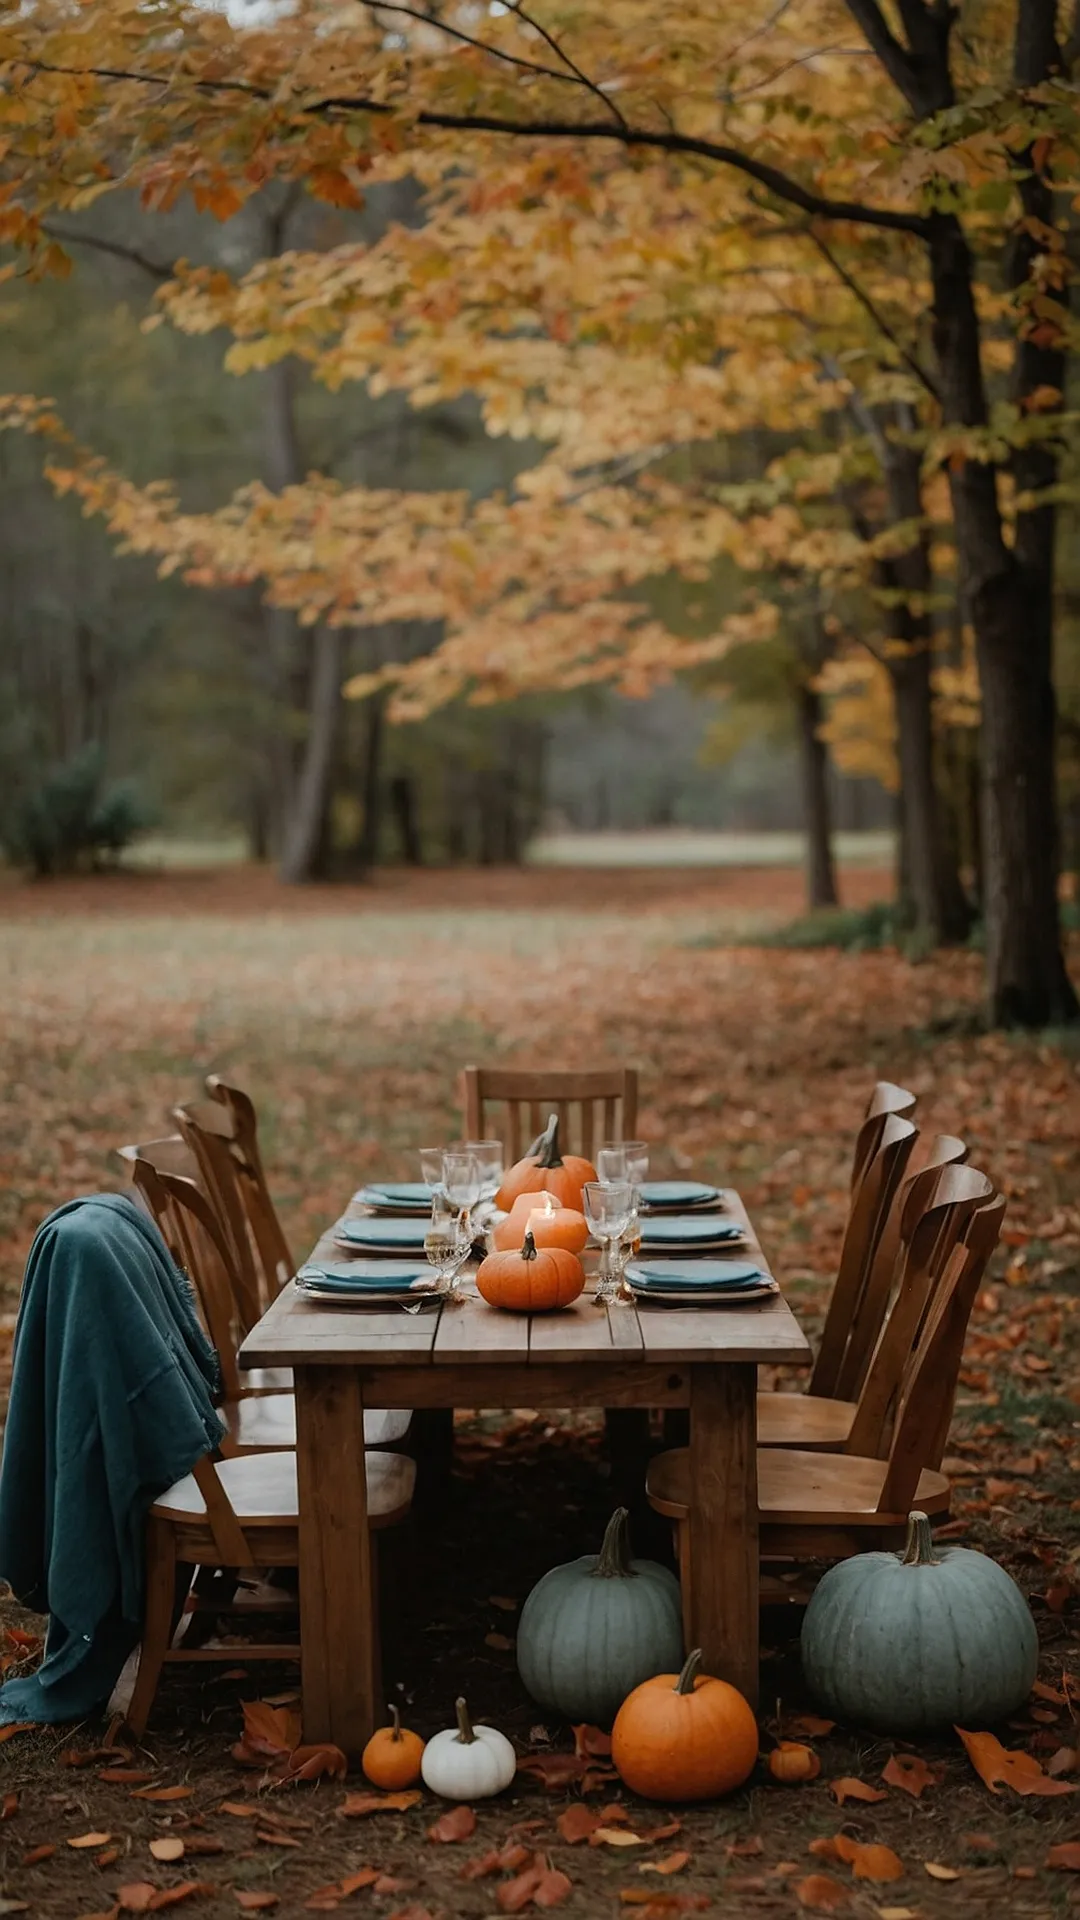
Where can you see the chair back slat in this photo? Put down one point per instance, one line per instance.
(938, 1207)
(191, 1231)
(912, 1195)
(870, 1203)
(886, 1098)
(222, 1135)
(928, 1390)
(593, 1106)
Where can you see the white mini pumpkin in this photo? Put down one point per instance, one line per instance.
(467, 1762)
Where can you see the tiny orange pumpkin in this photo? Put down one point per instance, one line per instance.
(392, 1756)
(550, 1224)
(530, 1279)
(684, 1736)
(545, 1167)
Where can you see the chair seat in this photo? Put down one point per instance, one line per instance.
(261, 1488)
(266, 1422)
(267, 1380)
(804, 1420)
(798, 1488)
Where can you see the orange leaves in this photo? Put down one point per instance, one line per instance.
(910, 1773)
(9, 1806)
(328, 1899)
(162, 1793)
(168, 1848)
(458, 1824)
(271, 1742)
(848, 1789)
(1065, 1856)
(671, 1863)
(356, 1806)
(820, 1893)
(867, 1860)
(540, 1885)
(334, 186)
(997, 1766)
(577, 1823)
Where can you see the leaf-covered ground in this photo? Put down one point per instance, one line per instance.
(348, 1015)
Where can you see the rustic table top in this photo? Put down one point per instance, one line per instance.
(297, 1332)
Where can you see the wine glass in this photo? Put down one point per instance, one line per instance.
(608, 1210)
(446, 1243)
(626, 1160)
(612, 1168)
(637, 1161)
(489, 1155)
(431, 1167)
(461, 1178)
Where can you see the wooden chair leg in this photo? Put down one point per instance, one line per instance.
(682, 1550)
(378, 1561)
(157, 1620)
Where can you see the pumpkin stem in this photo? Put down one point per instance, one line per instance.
(395, 1732)
(613, 1559)
(528, 1246)
(547, 1147)
(687, 1679)
(465, 1729)
(919, 1546)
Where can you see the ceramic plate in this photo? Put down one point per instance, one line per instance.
(664, 1195)
(382, 1236)
(396, 1196)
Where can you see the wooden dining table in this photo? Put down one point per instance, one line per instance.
(468, 1355)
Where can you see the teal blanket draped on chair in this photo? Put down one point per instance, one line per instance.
(112, 1399)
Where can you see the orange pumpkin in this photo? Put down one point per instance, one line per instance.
(392, 1756)
(532, 1279)
(546, 1169)
(550, 1224)
(684, 1736)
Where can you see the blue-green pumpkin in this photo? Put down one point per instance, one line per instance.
(927, 1638)
(592, 1630)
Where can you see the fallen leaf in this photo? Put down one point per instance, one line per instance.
(270, 1733)
(24, 1726)
(203, 1843)
(671, 1863)
(552, 1888)
(457, 1825)
(745, 1849)
(501, 1601)
(665, 1832)
(821, 1893)
(1063, 1761)
(83, 1756)
(848, 1789)
(169, 1847)
(1023, 1873)
(392, 1883)
(1065, 1857)
(615, 1837)
(241, 1809)
(499, 1641)
(938, 1872)
(326, 1898)
(128, 1776)
(995, 1764)
(867, 1861)
(107, 1859)
(508, 1858)
(1044, 1692)
(37, 1854)
(595, 1779)
(22, 1906)
(810, 1724)
(175, 1896)
(576, 1823)
(313, 1763)
(136, 1896)
(910, 1773)
(252, 1901)
(356, 1805)
(654, 1903)
(515, 1894)
(590, 1743)
(90, 1840)
(274, 1836)
(9, 1806)
(162, 1793)
(554, 1770)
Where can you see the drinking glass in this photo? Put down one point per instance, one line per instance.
(489, 1156)
(626, 1160)
(461, 1177)
(637, 1161)
(431, 1167)
(608, 1210)
(612, 1168)
(447, 1244)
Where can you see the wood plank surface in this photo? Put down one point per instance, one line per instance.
(721, 1558)
(486, 1384)
(341, 1684)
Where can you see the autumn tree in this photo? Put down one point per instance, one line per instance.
(616, 206)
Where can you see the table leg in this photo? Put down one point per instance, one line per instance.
(338, 1601)
(722, 1550)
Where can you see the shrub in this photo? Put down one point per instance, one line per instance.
(67, 817)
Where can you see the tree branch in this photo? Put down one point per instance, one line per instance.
(771, 178)
(481, 46)
(878, 318)
(576, 72)
(68, 239)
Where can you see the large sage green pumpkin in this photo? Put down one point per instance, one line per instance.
(926, 1638)
(592, 1630)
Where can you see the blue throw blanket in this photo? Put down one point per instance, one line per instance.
(112, 1399)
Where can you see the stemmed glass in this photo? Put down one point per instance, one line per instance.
(462, 1180)
(608, 1210)
(489, 1157)
(626, 1160)
(447, 1244)
(431, 1168)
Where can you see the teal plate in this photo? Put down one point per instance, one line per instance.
(678, 1193)
(689, 1229)
(386, 1276)
(716, 1276)
(400, 1196)
(383, 1236)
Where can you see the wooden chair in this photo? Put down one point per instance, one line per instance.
(221, 1134)
(605, 1100)
(882, 1152)
(886, 1098)
(239, 1514)
(830, 1506)
(935, 1205)
(258, 1417)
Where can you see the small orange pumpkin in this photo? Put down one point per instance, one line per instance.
(531, 1279)
(550, 1224)
(392, 1756)
(545, 1168)
(791, 1762)
(684, 1736)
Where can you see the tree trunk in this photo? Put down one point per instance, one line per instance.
(371, 791)
(304, 831)
(403, 801)
(814, 759)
